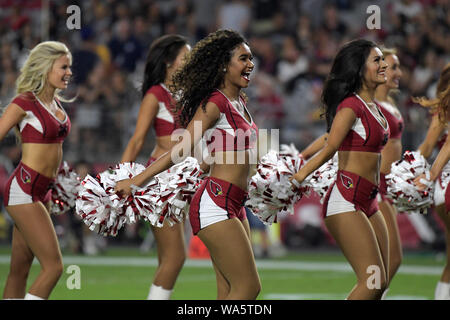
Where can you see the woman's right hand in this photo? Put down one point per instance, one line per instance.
(297, 178)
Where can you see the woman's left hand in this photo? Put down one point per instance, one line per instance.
(123, 187)
(418, 183)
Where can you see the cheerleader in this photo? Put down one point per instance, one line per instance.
(391, 152)
(42, 124)
(440, 172)
(358, 131)
(165, 57)
(214, 107)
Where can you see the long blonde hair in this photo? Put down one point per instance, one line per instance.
(440, 104)
(33, 74)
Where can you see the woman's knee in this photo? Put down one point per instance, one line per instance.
(54, 268)
(395, 262)
(174, 260)
(249, 288)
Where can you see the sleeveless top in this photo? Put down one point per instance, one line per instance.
(396, 123)
(165, 122)
(232, 131)
(40, 125)
(367, 133)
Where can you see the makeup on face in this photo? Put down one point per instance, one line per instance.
(60, 74)
(375, 73)
(241, 66)
(393, 71)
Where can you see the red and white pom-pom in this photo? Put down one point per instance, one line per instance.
(321, 179)
(445, 175)
(400, 183)
(270, 190)
(100, 207)
(64, 190)
(166, 198)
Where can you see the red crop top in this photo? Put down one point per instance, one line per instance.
(165, 122)
(367, 134)
(232, 131)
(394, 119)
(40, 125)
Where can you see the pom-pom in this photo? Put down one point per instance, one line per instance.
(445, 175)
(400, 183)
(64, 190)
(270, 190)
(104, 211)
(165, 198)
(321, 179)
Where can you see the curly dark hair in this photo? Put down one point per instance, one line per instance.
(203, 72)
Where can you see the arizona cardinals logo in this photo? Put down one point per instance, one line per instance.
(25, 176)
(346, 181)
(216, 188)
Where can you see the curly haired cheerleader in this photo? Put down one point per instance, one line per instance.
(165, 57)
(43, 124)
(210, 84)
(391, 152)
(440, 172)
(350, 206)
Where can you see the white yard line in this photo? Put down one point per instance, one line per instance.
(261, 264)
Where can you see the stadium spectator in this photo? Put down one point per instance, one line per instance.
(125, 48)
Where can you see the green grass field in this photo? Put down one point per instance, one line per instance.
(125, 274)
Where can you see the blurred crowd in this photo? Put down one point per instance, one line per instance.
(293, 41)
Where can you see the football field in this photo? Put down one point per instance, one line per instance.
(126, 274)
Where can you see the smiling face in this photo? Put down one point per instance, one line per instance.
(375, 69)
(240, 66)
(393, 71)
(60, 74)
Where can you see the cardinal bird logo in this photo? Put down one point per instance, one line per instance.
(346, 181)
(216, 188)
(25, 175)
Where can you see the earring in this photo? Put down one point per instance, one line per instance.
(224, 69)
